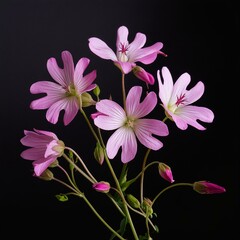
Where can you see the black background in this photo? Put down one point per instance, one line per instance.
(200, 37)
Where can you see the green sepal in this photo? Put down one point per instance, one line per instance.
(62, 197)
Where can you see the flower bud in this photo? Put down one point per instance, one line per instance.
(205, 187)
(165, 172)
(99, 153)
(147, 206)
(96, 91)
(87, 100)
(102, 186)
(47, 175)
(140, 73)
(133, 201)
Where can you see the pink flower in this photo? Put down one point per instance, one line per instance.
(176, 100)
(127, 54)
(66, 93)
(102, 186)
(165, 172)
(205, 187)
(130, 124)
(44, 149)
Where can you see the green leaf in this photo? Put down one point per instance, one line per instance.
(125, 185)
(123, 177)
(122, 229)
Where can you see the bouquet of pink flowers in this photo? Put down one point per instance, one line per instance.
(128, 121)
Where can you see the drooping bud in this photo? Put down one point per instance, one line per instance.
(140, 73)
(47, 175)
(102, 186)
(165, 172)
(87, 100)
(205, 187)
(133, 201)
(99, 153)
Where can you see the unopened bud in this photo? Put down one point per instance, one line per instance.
(205, 187)
(99, 153)
(47, 175)
(140, 73)
(165, 172)
(147, 206)
(87, 100)
(54, 164)
(96, 91)
(102, 186)
(133, 201)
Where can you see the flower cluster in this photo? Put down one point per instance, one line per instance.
(128, 121)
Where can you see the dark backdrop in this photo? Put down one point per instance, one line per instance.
(200, 37)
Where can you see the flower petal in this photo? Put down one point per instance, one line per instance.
(165, 87)
(101, 49)
(42, 164)
(56, 73)
(122, 36)
(81, 66)
(179, 88)
(137, 43)
(33, 153)
(190, 115)
(134, 107)
(71, 110)
(54, 93)
(112, 117)
(195, 93)
(68, 67)
(85, 84)
(144, 129)
(126, 67)
(146, 55)
(54, 110)
(125, 138)
(33, 139)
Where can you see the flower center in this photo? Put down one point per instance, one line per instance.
(129, 123)
(122, 52)
(71, 91)
(180, 100)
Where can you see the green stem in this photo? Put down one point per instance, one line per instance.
(81, 161)
(101, 219)
(73, 182)
(123, 91)
(68, 186)
(78, 169)
(89, 124)
(169, 187)
(142, 173)
(122, 196)
(81, 195)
